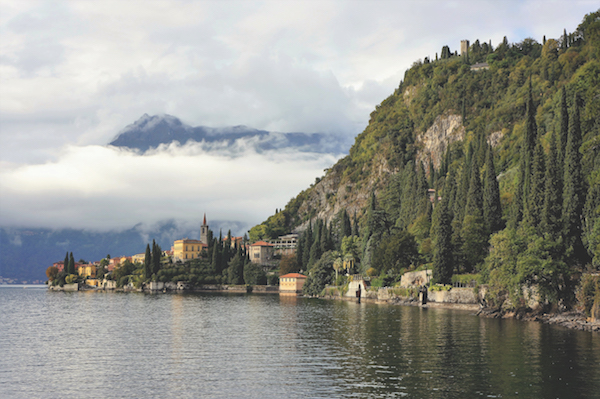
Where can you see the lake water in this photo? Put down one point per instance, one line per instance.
(116, 345)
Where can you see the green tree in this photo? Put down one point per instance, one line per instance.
(395, 253)
(71, 264)
(535, 197)
(254, 274)
(492, 208)
(552, 210)
(148, 263)
(235, 270)
(443, 265)
(574, 189)
(66, 263)
(320, 275)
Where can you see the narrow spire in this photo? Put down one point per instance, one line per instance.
(204, 223)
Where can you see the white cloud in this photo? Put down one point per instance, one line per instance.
(76, 72)
(106, 188)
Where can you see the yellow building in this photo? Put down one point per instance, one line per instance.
(292, 282)
(87, 270)
(187, 249)
(138, 258)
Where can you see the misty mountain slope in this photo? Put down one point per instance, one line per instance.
(151, 131)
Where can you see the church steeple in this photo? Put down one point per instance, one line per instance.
(204, 231)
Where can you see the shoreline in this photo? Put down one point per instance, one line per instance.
(569, 319)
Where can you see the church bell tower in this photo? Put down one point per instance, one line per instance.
(204, 231)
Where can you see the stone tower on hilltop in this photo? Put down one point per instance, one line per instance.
(464, 47)
(204, 232)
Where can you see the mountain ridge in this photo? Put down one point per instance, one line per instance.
(151, 131)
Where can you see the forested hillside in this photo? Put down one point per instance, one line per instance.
(512, 152)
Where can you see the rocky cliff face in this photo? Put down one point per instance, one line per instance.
(333, 194)
(433, 143)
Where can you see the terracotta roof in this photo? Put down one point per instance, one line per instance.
(296, 275)
(261, 244)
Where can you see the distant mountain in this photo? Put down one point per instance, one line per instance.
(151, 131)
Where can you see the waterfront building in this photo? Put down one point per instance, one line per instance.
(292, 283)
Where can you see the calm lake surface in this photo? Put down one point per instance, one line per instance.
(116, 345)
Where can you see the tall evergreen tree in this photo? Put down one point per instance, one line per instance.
(443, 265)
(71, 264)
(475, 194)
(66, 263)
(346, 229)
(492, 208)
(300, 251)
(525, 164)
(355, 228)
(552, 210)
(574, 188)
(156, 257)
(535, 197)
(216, 258)
(462, 188)
(308, 241)
(147, 263)
(473, 230)
(564, 128)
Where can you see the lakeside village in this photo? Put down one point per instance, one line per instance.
(224, 264)
(229, 264)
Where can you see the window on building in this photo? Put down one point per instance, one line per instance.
(256, 256)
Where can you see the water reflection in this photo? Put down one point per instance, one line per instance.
(270, 346)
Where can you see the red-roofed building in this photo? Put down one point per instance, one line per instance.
(61, 266)
(261, 252)
(291, 282)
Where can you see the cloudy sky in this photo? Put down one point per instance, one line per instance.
(74, 73)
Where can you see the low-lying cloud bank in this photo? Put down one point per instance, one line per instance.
(106, 188)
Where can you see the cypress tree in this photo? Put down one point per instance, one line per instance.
(66, 263)
(552, 210)
(564, 128)
(473, 229)
(346, 226)
(475, 194)
(525, 166)
(431, 174)
(147, 263)
(443, 264)
(355, 229)
(216, 263)
(308, 240)
(462, 188)
(156, 256)
(492, 208)
(535, 197)
(420, 194)
(324, 239)
(71, 264)
(300, 252)
(574, 189)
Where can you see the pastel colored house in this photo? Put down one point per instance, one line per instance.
(186, 249)
(292, 283)
(261, 252)
(87, 270)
